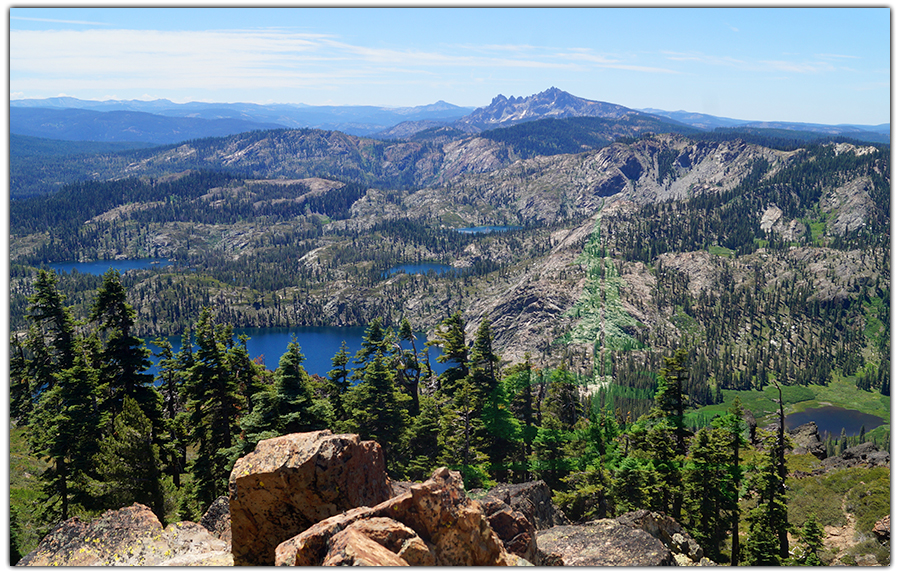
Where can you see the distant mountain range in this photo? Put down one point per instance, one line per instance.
(164, 122)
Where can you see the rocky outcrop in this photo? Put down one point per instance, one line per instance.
(532, 499)
(806, 440)
(882, 529)
(289, 483)
(217, 519)
(434, 523)
(515, 530)
(601, 543)
(128, 536)
(639, 538)
(863, 455)
(667, 530)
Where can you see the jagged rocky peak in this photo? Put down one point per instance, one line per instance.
(550, 103)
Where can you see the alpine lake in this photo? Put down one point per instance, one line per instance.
(318, 344)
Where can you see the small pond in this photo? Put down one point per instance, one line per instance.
(487, 229)
(100, 267)
(833, 419)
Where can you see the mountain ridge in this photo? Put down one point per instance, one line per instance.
(406, 122)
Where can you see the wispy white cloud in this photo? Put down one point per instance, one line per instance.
(55, 21)
(837, 57)
(153, 60)
(798, 67)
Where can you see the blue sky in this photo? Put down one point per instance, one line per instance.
(817, 65)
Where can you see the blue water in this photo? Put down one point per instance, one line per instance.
(487, 229)
(100, 267)
(318, 344)
(422, 269)
(833, 419)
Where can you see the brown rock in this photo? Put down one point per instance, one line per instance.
(882, 529)
(402, 545)
(289, 483)
(452, 527)
(128, 536)
(601, 543)
(512, 527)
(532, 499)
(353, 547)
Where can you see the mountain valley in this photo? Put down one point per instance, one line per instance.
(618, 238)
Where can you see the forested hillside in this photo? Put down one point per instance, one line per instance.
(639, 288)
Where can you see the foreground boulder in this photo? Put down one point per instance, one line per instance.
(601, 543)
(290, 483)
(512, 527)
(668, 531)
(639, 538)
(432, 524)
(533, 499)
(128, 536)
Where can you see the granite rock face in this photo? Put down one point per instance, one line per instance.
(601, 543)
(635, 539)
(434, 523)
(290, 483)
(128, 536)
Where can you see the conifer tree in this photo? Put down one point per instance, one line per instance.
(376, 408)
(733, 423)
(518, 386)
(707, 487)
(173, 450)
(409, 369)
(769, 517)
(339, 382)
(65, 429)
(562, 409)
(128, 463)
(376, 340)
(214, 405)
(811, 537)
(124, 358)
(420, 442)
(451, 336)
(285, 407)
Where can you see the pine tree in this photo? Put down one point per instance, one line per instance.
(286, 407)
(733, 423)
(339, 382)
(214, 404)
(65, 429)
(124, 358)
(811, 537)
(376, 408)
(420, 442)
(671, 447)
(409, 369)
(451, 336)
(173, 451)
(707, 486)
(769, 517)
(128, 463)
(519, 388)
(376, 340)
